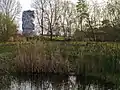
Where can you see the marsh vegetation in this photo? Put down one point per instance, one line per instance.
(63, 58)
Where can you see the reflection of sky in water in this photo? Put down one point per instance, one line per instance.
(51, 86)
(28, 86)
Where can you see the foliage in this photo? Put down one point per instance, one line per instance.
(63, 17)
(7, 28)
(82, 6)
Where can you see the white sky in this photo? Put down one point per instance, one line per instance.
(26, 4)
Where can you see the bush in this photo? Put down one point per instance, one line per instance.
(7, 28)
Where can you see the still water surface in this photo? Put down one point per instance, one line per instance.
(53, 82)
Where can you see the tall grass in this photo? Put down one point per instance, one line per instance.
(41, 57)
(101, 59)
(67, 57)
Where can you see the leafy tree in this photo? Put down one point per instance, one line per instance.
(7, 27)
(82, 9)
(82, 6)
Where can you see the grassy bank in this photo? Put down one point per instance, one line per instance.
(97, 59)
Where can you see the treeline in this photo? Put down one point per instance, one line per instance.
(93, 20)
(84, 20)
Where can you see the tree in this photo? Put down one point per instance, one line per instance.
(56, 14)
(7, 27)
(82, 8)
(10, 8)
(90, 14)
(111, 19)
(40, 6)
(68, 18)
(47, 10)
(113, 11)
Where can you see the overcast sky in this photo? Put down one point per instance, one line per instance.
(26, 4)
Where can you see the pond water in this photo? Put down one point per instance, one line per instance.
(53, 82)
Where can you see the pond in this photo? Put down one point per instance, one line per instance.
(53, 82)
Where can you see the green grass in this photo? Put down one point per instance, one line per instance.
(6, 49)
(58, 38)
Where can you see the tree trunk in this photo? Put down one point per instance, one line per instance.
(51, 33)
(93, 34)
(42, 20)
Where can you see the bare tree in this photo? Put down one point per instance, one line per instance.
(55, 16)
(67, 17)
(69, 14)
(47, 11)
(10, 8)
(40, 7)
(52, 15)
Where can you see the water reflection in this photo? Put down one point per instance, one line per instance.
(52, 82)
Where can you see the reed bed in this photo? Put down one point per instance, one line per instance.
(96, 59)
(65, 57)
(41, 57)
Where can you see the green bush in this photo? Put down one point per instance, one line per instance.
(7, 28)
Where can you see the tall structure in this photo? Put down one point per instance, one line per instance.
(28, 26)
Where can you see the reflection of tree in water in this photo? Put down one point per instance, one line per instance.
(50, 82)
(5, 82)
(93, 83)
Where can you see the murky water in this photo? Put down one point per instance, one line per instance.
(53, 82)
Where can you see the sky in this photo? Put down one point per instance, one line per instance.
(26, 4)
